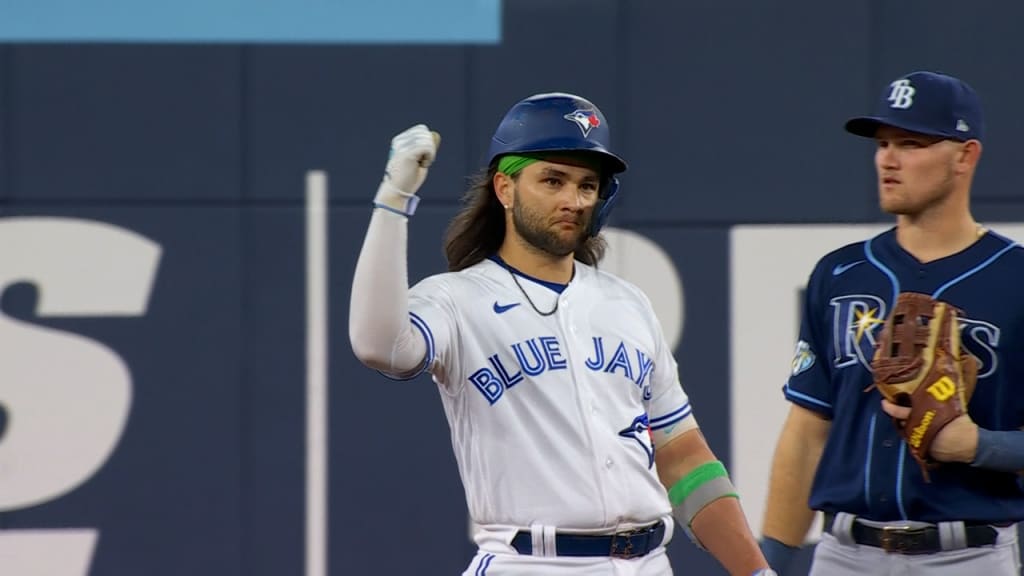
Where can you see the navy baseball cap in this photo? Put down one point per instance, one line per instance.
(926, 103)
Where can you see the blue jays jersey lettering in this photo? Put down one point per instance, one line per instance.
(554, 419)
(847, 301)
(535, 356)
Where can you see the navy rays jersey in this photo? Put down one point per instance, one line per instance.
(866, 468)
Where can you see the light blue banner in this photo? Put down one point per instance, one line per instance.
(252, 21)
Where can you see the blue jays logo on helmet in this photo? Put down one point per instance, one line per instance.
(587, 120)
(640, 431)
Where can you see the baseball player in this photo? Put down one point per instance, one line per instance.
(839, 451)
(575, 442)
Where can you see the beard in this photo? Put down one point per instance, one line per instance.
(534, 229)
(905, 203)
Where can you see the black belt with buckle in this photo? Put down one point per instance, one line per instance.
(907, 540)
(628, 544)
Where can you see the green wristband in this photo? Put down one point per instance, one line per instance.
(695, 479)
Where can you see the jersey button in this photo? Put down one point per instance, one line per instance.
(608, 463)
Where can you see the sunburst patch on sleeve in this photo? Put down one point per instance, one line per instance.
(803, 358)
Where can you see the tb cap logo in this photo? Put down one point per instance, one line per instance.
(902, 94)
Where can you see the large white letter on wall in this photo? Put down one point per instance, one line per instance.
(66, 397)
(640, 260)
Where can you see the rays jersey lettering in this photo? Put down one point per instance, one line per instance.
(535, 356)
(858, 318)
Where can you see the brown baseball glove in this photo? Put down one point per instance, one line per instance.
(920, 363)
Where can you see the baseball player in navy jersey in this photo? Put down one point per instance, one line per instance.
(575, 442)
(839, 451)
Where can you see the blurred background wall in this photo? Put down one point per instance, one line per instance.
(153, 284)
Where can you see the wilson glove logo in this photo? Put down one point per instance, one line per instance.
(943, 389)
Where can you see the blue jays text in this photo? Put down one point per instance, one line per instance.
(535, 356)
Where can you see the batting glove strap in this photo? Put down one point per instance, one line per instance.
(392, 199)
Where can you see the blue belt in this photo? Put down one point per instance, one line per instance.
(628, 544)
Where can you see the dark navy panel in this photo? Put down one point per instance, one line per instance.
(273, 407)
(140, 122)
(5, 54)
(984, 47)
(167, 502)
(5, 122)
(394, 481)
(734, 111)
(993, 211)
(337, 108)
(567, 46)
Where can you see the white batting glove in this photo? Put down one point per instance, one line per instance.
(412, 153)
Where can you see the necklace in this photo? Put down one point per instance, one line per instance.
(530, 300)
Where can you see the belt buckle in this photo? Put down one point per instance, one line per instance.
(893, 539)
(622, 544)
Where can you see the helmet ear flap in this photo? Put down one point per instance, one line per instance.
(604, 206)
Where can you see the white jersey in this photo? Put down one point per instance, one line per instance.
(552, 417)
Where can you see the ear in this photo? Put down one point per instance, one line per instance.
(968, 155)
(504, 187)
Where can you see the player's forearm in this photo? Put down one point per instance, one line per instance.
(704, 502)
(787, 515)
(381, 334)
(722, 529)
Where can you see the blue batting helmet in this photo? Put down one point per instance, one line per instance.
(559, 122)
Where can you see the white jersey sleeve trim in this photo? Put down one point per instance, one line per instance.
(676, 422)
(671, 418)
(428, 336)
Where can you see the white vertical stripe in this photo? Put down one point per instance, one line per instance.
(316, 373)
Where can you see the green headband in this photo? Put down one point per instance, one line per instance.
(512, 164)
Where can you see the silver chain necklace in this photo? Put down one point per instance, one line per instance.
(530, 300)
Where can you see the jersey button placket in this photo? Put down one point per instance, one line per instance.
(587, 403)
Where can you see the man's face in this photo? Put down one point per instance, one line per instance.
(554, 204)
(915, 171)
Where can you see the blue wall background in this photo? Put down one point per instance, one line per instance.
(729, 112)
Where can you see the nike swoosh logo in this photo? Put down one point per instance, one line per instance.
(840, 268)
(499, 309)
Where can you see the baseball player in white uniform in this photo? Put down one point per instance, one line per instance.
(575, 442)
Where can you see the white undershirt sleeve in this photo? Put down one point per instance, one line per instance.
(379, 326)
